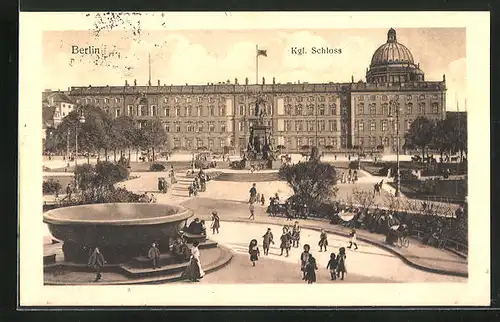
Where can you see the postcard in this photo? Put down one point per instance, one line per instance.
(254, 159)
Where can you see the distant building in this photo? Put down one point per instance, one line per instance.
(336, 116)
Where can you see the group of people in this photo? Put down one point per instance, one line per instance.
(199, 183)
(290, 238)
(351, 177)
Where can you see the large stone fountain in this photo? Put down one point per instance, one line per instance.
(124, 233)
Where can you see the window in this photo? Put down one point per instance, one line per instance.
(118, 112)
(189, 143)
(198, 110)
(187, 109)
(421, 97)
(288, 109)
(288, 126)
(177, 111)
(222, 110)
(321, 125)
(310, 125)
(435, 108)
(177, 100)
(210, 99)
(106, 101)
(372, 97)
(384, 125)
(409, 108)
(298, 110)
(165, 100)
(211, 109)
(223, 127)
(177, 126)
(394, 125)
(343, 109)
(361, 98)
(299, 99)
(373, 109)
(154, 99)
(361, 126)
(166, 111)
(373, 126)
(372, 141)
(177, 142)
(361, 109)
(199, 99)
(190, 127)
(211, 126)
(333, 109)
(335, 142)
(154, 110)
(332, 125)
(361, 141)
(310, 110)
(240, 126)
(144, 111)
(408, 124)
(200, 126)
(130, 110)
(311, 141)
(199, 143)
(385, 109)
(287, 99)
(166, 126)
(321, 98)
(242, 110)
(322, 110)
(210, 144)
(188, 99)
(421, 108)
(298, 142)
(298, 126)
(311, 99)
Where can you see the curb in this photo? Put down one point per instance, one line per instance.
(375, 243)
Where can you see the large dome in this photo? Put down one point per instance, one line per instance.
(391, 52)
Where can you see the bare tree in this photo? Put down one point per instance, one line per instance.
(364, 198)
(394, 204)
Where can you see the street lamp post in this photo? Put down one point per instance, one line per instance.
(397, 176)
(81, 120)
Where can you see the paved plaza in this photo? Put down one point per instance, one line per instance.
(373, 262)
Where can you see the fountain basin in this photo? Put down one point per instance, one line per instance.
(120, 230)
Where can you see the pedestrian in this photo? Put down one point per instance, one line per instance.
(252, 211)
(332, 265)
(262, 199)
(152, 199)
(323, 240)
(154, 255)
(304, 259)
(267, 241)
(353, 239)
(190, 190)
(215, 222)
(296, 234)
(254, 252)
(68, 192)
(193, 271)
(97, 261)
(311, 268)
(285, 242)
(341, 267)
(253, 194)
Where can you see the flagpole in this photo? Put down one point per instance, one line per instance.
(257, 64)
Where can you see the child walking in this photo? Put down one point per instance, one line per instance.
(311, 270)
(323, 241)
(332, 265)
(252, 211)
(353, 240)
(254, 252)
(341, 269)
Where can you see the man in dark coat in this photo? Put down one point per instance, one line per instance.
(267, 241)
(96, 261)
(154, 255)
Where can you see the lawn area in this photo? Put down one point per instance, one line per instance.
(435, 190)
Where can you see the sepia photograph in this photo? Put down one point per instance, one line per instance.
(325, 160)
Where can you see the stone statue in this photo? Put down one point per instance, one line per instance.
(246, 80)
(274, 80)
(444, 78)
(236, 81)
(159, 83)
(135, 82)
(263, 80)
(257, 108)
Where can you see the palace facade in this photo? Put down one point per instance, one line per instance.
(336, 116)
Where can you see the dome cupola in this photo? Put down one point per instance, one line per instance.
(393, 62)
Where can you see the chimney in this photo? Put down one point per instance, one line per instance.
(263, 80)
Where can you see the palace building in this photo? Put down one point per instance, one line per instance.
(336, 116)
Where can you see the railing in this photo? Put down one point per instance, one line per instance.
(449, 243)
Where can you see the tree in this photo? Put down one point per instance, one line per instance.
(313, 182)
(364, 198)
(155, 135)
(421, 133)
(124, 129)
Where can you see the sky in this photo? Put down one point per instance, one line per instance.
(201, 56)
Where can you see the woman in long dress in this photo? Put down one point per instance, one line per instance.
(311, 268)
(341, 267)
(304, 260)
(254, 252)
(215, 222)
(193, 271)
(323, 241)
